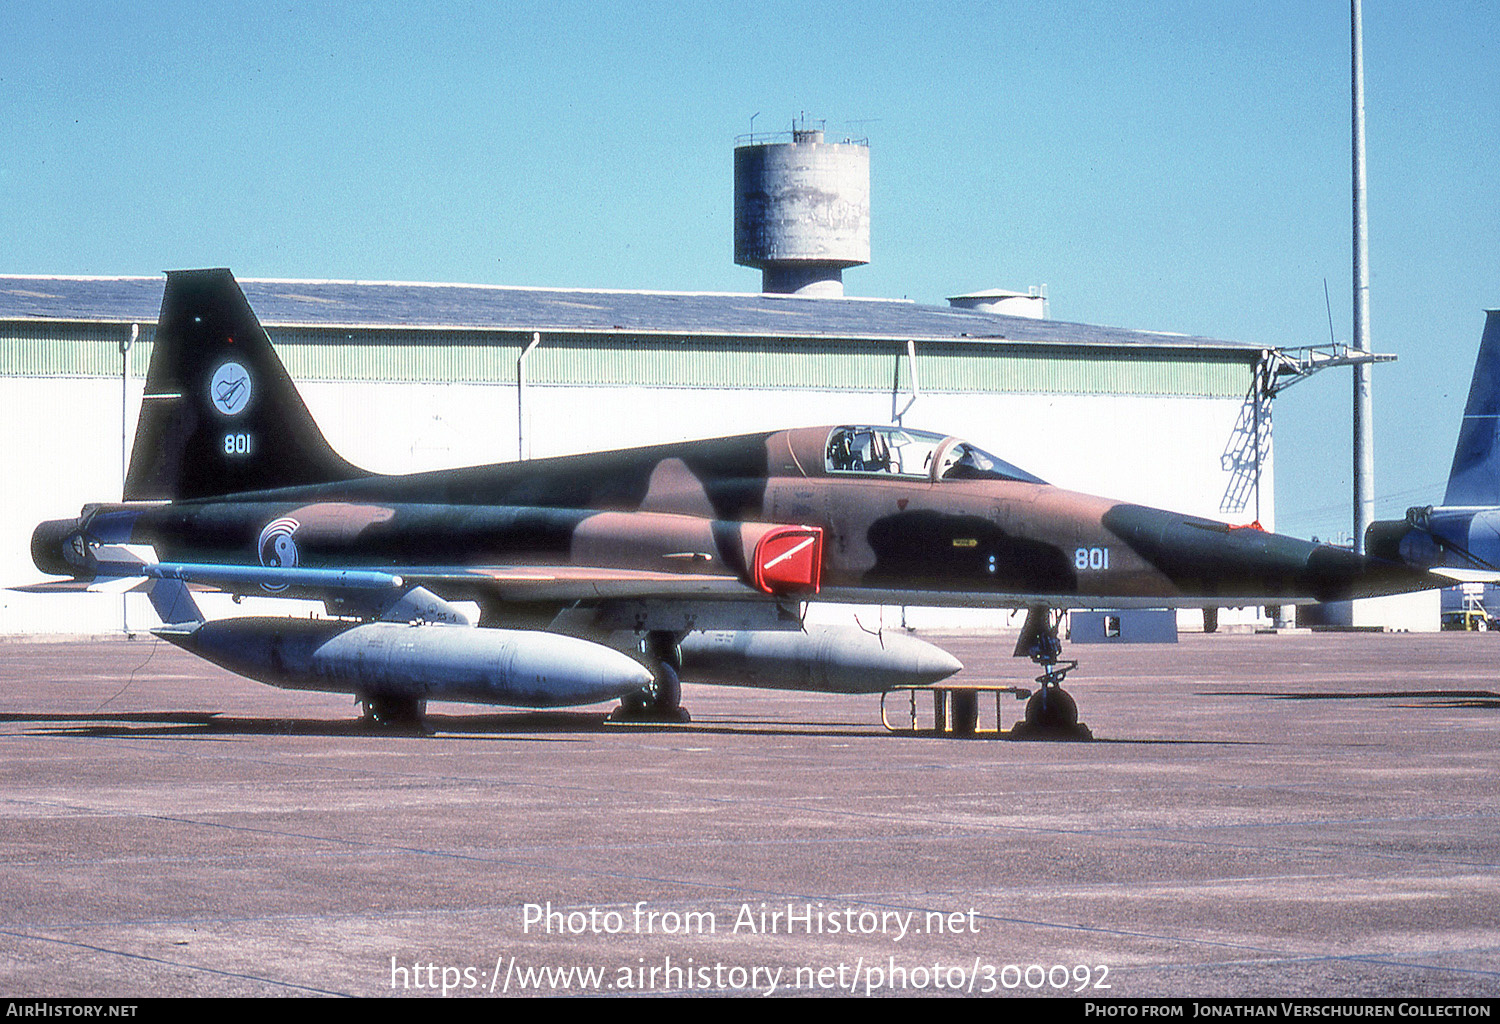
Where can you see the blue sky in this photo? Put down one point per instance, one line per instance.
(1163, 165)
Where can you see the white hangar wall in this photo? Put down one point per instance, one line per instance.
(64, 449)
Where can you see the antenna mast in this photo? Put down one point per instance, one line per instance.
(1364, 423)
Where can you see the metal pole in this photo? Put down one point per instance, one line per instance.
(1364, 422)
(1257, 390)
(126, 344)
(916, 390)
(521, 446)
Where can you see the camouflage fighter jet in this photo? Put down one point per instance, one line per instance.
(615, 574)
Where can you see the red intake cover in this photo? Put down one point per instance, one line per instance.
(789, 559)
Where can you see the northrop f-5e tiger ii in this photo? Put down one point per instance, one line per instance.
(615, 575)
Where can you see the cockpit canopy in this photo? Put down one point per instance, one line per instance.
(915, 454)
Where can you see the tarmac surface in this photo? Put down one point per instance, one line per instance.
(1272, 815)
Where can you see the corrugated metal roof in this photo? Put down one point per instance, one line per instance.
(485, 307)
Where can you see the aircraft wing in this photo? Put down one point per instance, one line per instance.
(584, 583)
(507, 583)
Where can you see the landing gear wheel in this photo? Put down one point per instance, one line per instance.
(1051, 713)
(1051, 707)
(396, 714)
(668, 688)
(662, 701)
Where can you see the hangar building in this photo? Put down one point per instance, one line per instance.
(405, 377)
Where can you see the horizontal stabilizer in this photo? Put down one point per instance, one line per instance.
(1467, 575)
(123, 555)
(54, 587)
(118, 584)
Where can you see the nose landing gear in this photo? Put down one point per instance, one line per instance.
(1051, 713)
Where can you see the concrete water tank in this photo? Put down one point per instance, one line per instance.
(802, 211)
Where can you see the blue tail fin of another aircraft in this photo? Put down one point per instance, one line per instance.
(220, 414)
(1475, 476)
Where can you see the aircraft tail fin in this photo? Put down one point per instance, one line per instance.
(220, 414)
(1475, 476)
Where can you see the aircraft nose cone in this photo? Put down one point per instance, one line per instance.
(1212, 559)
(1207, 553)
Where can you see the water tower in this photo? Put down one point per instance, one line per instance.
(801, 210)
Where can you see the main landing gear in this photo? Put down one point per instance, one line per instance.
(1051, 713)
(662, 700)
(407, 715)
